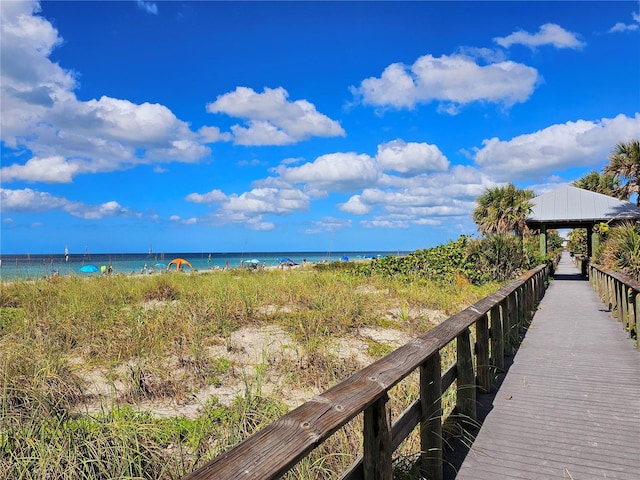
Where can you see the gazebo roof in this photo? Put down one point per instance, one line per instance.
(572, 207)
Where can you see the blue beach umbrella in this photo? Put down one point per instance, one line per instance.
(286, 261)
(89, 269)
(160, 264)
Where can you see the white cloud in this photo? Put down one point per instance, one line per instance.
(260, 133)
(213, 134)
(355, 206)
(29, 82)
(272, 119)
(148, 7)
(424, 199)
(331, 224)
(573, 144)
(41, 114)
(338, 172)
(29, 200)
(386, 222)
(140, 125)
(364, 176)
(183, 150)
(214, 196)
(549, 34)
(410, 158)
(104, 210)
(254, 203)
(49, 170)
(455, 80)
(261, 226)
(623, 27)
(399, 221)
(268, 201)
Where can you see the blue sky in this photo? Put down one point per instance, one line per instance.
(298, 126)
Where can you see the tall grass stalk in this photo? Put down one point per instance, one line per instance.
(152, 338)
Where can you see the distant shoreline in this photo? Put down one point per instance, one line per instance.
(37, 266)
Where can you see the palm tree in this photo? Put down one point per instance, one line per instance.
(503, 210)
(605, 183)
(624, 163)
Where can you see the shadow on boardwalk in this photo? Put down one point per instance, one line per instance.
(567, 406)
(460, 433)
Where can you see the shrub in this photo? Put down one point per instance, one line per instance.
(621, 250)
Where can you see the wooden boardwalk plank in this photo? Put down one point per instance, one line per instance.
(569, 406)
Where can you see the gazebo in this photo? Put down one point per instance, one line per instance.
(572, 207)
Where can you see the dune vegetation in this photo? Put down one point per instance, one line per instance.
(151, 376)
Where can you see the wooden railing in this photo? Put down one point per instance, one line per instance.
(499, 320)
(619, 293)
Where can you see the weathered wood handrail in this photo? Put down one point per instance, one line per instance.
(499, 321)
(619, 294)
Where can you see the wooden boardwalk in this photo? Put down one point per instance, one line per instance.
(569, 406)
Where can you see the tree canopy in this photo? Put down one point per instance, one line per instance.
(604, 183)
(503, 209)
(624, 164)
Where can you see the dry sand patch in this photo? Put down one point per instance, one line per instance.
(255, 353)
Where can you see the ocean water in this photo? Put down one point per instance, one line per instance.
(27, 266)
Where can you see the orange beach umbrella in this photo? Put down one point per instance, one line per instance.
(179, 262)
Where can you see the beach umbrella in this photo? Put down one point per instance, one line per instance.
(89, 269)
(179, 263)
(160, 264)
(287, 262)
(253, 263)
(344, 258)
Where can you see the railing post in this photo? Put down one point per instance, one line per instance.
(378, 449)
(466, 391)
(611, 293)
(508, 324)
(632, 323)
(497, 337)
(431, 421)
(530, 303)
(518, 321)
(482, 354)
(618, 287)
(625, 303)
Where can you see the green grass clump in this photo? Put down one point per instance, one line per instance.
(165, 338)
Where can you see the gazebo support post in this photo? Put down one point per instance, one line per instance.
(595, 241)
(590, 241)
(543, 240)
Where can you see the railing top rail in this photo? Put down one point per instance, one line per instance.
(621, 277)
(278, 447)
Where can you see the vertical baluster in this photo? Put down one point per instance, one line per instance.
(466, 391)
(378, 451)
(431, 422)
(482, 354)
(497, 336)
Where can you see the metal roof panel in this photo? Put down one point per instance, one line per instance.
(572, 204)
